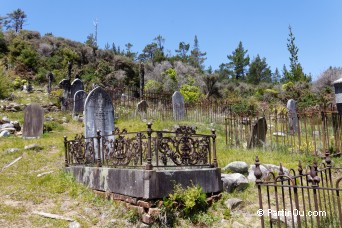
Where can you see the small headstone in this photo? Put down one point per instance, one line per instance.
(79, 99)
(142, 107)
(178, 106)
(258, 135)
(33, 121)
(76, 85)
(338, 95)
(292, 115)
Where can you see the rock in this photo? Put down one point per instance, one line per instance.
(6, 125)
(10, 130)
(12, 150)
(16, 125)
(5, 119)
(237, 167)
(233, 203)
(234, 181)
(74, 224)
(49, 118)
(251, 169)
(32, 147)
(4, 134)
(275, 169)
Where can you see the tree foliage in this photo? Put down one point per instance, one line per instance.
(238, 62)
(259, 71)
(197, 57)
(15, 20)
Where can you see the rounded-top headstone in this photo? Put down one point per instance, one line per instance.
(99, 113)
(338, 94)
(79, 100)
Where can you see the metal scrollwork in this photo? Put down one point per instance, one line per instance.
(184, 149)
(76, 149)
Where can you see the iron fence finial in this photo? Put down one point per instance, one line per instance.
(257, 171)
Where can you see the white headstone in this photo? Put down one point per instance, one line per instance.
(292, 115)
(178, 106)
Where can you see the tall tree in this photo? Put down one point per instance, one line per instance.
(276, 77)
(182, 51)
(129, 52)
(259, 71)
(15, 20)
(296, 71)
(159, 40)
(238, 62)
(197, 57)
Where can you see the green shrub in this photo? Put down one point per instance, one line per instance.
(5, 89)
(191, 93)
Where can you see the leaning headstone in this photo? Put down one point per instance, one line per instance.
(178, 106)
(258, 135)
(33, 121)
(79, 100)
(142, 107)
(292, 115)
(76, 85)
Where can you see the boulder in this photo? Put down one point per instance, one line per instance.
(6, 125)
(233, 203)
(237, 167)
(275, 169)
(251, 169)
(16, 125)
(4, 134)
(234, 181)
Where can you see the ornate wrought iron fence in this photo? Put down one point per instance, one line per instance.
(182, 147)
(303, 198)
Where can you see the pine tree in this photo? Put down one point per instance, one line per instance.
(238, 62)
(259, 71)
(182, 51)
(197, 57)
(15, 20)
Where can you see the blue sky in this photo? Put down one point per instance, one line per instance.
(261, 25)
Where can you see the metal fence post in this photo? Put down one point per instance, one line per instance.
(149, 165)
(213, 135)
(66, 151)
(99, 164)
(258, 182)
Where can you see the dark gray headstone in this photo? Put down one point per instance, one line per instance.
(292, 115)
(142, 107)
(76, 85)
(79, 100)
(50, 79)
(99, 113)
(178, 106)
(33, 121)
(258, 135)
(338, 95)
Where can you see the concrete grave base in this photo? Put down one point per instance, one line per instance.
(146, 184)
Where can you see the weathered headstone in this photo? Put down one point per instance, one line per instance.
(76, 85)
(79, 100)
(33, 121)
(292, 115)
(65, 85)
(178, 106)
(338, 95)
(99, 113)
(258, 135)
(142, 107)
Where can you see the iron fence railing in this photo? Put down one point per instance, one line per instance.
(308, 197)
(182, 147)
(309, 132)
